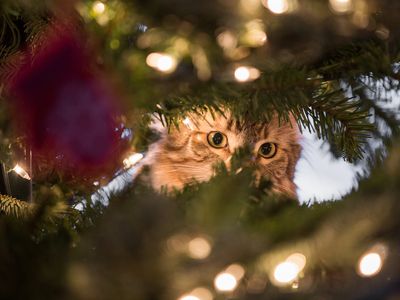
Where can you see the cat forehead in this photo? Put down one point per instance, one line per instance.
(274, 129)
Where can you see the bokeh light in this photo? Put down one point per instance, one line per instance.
(188, 297)
(98, 7)
(21, 172)
(276, 6)
(298, 259)
(341, 6)
(236, 270)
(370, 264)
(286, 272)
(225, 282)
(255, 35)
(161, 62)
(199, 248)
(243, 74)
(227, 40)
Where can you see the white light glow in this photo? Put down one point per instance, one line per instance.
(341, 6)
(370, 264)
(243, 74)
(98, 7)
(276, 6)
(132, 160)
(286, 272)
(189, 297)
(188, 123)
(199, 248)
(21, 172)
(225, 282)
(162, 62)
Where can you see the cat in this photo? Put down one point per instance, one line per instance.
(190, 152)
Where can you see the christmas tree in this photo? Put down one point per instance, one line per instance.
(80, 84)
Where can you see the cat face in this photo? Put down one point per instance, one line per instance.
(190, 152)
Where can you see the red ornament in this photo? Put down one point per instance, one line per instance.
(66, 108)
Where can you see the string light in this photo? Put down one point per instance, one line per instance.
(236, 270)
(98, 7)
(199, 248)
(288, 271)
(225, 282)
(132, 160)
(161, 62)
(243, 74)
(21, 172)
(227, 40)
(370, 264)
(341, 6)
(276, 6)
(189, 297)
(255, 35)
(200, 293)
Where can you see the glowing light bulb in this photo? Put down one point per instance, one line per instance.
(189, 297)
(236, 270)
(21, 172)
(162, 62)
(199, 248)
(370, 264)
(132, 160)
(298, 259)
(276, 6)
(243, 74)
(227, 40)
(98, 7)
(225, 282)
(202, 293)
(286, 272)
(341, 6)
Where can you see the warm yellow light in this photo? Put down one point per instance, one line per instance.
(370, 264)
(236, 270)
(162, 62)
(202, 293)
(132, 160)
(298, 259)
(225, 282)
(98, 7)
(286, 272)
(227, 40)
(199, 248)
(276, 6)
(341, 6)
(255, 35)
(21, 172)
(189, 297)
(243, 73)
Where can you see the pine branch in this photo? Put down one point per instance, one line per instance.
(15, 208)
(316, 104)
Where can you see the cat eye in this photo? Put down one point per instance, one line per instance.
(267, 150)
(217, 139)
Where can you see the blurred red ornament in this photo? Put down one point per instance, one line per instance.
(66, 109)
